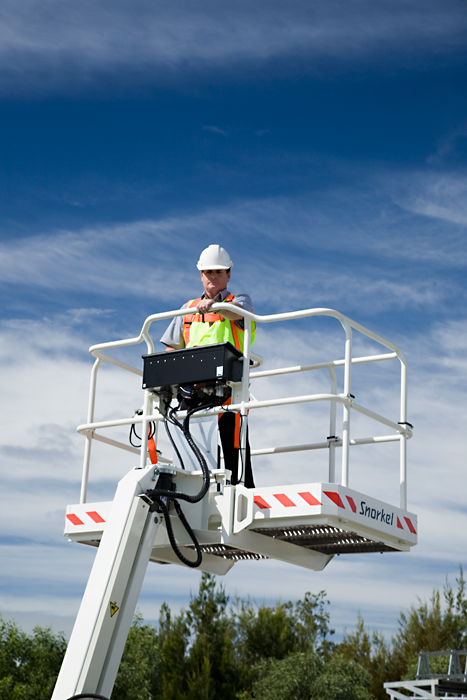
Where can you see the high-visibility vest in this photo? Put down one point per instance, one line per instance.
(210, 328)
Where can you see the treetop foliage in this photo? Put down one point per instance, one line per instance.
(28, 664)
(217, 650)
(426, 626)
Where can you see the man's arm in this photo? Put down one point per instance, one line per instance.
(173, 336)
(205, 305)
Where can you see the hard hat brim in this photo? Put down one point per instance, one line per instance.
(205, 266)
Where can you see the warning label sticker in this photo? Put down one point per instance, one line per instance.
(113, 609)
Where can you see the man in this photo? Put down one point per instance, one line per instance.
(206, 328)
(214, 265)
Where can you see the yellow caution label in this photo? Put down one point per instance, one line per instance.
(113, 609)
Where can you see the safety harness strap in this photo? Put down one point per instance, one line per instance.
(238, 423)
(152, 448)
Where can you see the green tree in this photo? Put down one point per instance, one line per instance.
(312, 623)
(174, 635)
(436, 625)
(342, 679)
(264, 632)
(139, 673)
(29, 665)
(290, 678)
(305, 676)
(432, 626)
(275, 632)
(372, 653)
(211, 659)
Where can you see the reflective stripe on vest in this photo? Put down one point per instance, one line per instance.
(210, 328)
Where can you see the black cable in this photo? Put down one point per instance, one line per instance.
(173, 542)
(171, 418)
(152, 432)
(172, 495)
(156, 495)
(166, 423)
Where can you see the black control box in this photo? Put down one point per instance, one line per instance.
(207, 364)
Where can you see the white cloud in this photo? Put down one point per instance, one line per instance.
(295, 239)
(45, 44)
(97, 259)
(215, 130)
(448, 145)
(441, 197)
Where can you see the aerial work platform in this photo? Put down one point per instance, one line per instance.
(181, 507)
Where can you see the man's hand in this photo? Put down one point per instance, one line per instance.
(204, 305)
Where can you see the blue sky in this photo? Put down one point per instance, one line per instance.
(324, 145)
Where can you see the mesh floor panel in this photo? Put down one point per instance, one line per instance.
(226, 552)
(325, 539)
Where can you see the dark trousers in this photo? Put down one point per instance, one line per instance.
(227, 433)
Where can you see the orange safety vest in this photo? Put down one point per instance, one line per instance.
(210, 318)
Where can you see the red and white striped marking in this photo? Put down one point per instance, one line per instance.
(308, 497)
(82, 519)
(409, 525)
(346, 503)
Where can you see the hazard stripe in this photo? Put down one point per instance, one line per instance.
(335, 498)
(352, 503)
(260, 502)
(285, 500)
(95, 516)
(310, 499)
(411, 527)
(74, 519)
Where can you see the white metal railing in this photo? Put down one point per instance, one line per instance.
(422, 690)
(401, 430)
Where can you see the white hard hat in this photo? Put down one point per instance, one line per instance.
(214, 258)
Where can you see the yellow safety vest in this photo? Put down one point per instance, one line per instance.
(210, 328)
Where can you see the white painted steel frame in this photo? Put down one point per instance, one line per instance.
(401, 429)
(96, 645)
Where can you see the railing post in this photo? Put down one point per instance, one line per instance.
(332, 428)
(245, 396)
(346, 407)
(87, 449)
(147, 413)
(403, 438)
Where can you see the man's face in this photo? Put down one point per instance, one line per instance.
(214, 281)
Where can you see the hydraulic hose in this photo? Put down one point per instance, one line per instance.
(186, 525)
(173, 495)
(158, 494)
(169, 434)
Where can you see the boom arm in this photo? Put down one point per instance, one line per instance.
(104, 618)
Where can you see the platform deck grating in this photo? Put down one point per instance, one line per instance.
(226, 552)
(325, 538)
